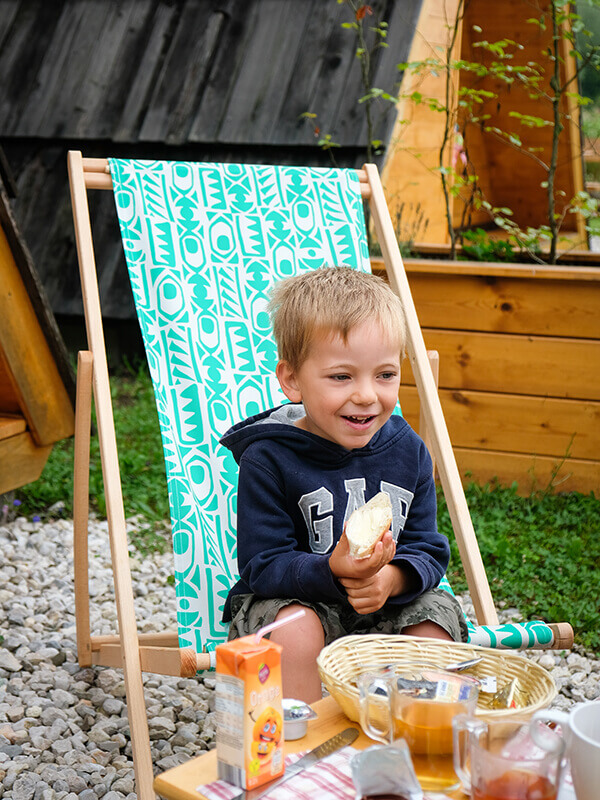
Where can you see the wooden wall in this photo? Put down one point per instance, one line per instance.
(200, 80)
(508, 178)
(410, 175)
(512, 178)
(519, 369)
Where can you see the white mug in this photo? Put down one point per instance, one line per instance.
(581, 728)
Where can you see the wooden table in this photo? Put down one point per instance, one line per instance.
(179, 783)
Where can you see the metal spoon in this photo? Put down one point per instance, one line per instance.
(459, 666)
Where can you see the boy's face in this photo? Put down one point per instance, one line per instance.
(349, 389)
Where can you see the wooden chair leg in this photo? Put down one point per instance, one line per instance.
(434, 363)
(81, 495)
(132, 672)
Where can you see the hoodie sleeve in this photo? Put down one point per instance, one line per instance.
(421, 549)
(269, 559)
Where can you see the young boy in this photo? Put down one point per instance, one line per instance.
(306, 466)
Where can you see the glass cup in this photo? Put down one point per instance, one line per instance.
(515, 760)
(418, 706)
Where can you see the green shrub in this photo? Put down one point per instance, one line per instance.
(479, 246)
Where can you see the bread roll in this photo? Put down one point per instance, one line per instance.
(367, 524)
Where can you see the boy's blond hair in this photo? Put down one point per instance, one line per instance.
(331, 300)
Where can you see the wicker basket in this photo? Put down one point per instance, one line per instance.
(341, 662)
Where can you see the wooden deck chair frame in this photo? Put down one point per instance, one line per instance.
(160, 653)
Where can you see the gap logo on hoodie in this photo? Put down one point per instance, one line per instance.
(317, 510)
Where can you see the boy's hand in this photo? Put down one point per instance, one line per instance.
(369, 595)
(343, 565)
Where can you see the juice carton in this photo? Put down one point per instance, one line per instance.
(249, 712)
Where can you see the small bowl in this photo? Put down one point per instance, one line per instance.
(296, 714)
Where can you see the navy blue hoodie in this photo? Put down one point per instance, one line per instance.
(296, 490)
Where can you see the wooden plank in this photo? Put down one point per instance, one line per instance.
(177, 661)
(206, 124)
(25, 43)
(11, 425)
(9, 401)
(9, 12)
(148, 34)
(42, 395)
(515, 423)
(73, 37)
(36, 291)
(532, 365)
(81, 505)
(179, 85)
(95, 101)
(531, 473)
(314, 84)
(569, 308)
(259, 88)
(21, 461)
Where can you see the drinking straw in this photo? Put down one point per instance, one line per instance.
(277, 624)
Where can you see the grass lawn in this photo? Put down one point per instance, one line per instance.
(542, 553)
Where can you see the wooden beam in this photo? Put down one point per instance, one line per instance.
(530, 472)
(434, 362)
(21, 461)
(11, 425)
(157, 651)
(178, 661)
(515, 364)
(35, 378)
(516, 423)
(81, 499)
(160, 639)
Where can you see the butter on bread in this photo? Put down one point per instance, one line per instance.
(367, 524)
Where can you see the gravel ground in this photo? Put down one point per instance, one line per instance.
(63, 730)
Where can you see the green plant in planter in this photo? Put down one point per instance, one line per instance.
(462, 110)
(566, 26)
(480, 246)
(469, 107)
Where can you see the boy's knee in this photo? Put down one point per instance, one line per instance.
(304, 636)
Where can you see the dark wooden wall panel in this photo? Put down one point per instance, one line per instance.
(237, 71)
(204, 80)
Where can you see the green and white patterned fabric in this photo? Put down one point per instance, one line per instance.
(203, 245)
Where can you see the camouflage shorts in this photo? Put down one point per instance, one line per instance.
(249, 613)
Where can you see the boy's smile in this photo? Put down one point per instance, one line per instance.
(348, 389)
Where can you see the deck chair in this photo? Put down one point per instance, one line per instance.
(203, 244)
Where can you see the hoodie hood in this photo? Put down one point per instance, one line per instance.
(280, 423)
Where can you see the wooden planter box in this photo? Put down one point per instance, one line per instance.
(519, 369)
